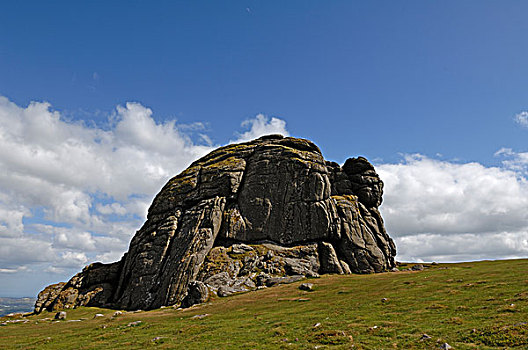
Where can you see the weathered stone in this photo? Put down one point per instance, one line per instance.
(417, 267)
(218, 280)
(197, 293)
(47, 296)
(345, 267)
(153, 276)
(246, 215)
(240, 248)
(329, 260)
(91, 287)
(61, 315)
(306, 286)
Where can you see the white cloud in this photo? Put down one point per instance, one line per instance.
(113, 208)
(72, 193)
(15, 270)
(443, 210)
(67, 238)
(25, 250)
(462, 247)
(261, 125)
(522, 118)
(56, 171)
(516, 161)
(11, 221)
(72, 259)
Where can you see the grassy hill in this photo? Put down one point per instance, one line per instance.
(478, 305)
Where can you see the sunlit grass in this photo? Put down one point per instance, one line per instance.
(479, 305)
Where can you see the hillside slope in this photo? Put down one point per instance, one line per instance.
(469, 305)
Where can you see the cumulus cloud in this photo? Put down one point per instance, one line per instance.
(72, 193)
(261, 125)
(451, 212)
(80, 180)
(522, 119)
(463, 246)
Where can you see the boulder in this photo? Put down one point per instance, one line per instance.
(258, 213)
(306, 287)
(197, 293)
(61, 315)
(417, 267)
(47, 297)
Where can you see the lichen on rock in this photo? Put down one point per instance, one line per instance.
(245, 216)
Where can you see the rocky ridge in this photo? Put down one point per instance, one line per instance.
(245, 216)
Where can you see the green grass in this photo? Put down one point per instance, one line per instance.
(480, 305)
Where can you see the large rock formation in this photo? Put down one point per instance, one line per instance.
(246, 215)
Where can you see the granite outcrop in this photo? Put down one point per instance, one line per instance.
(245, 216)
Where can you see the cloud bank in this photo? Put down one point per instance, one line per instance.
(71, 194)
(445, 211)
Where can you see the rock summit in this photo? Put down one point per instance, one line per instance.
(245, 216)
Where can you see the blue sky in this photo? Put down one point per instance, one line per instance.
(128, 93)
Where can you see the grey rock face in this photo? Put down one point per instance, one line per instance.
(197, 293)
(329, 261)
(245, 215)
(47, 296)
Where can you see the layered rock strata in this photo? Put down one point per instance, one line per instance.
(244, 216)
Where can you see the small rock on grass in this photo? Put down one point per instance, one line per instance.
(135, 323)
(445, 346)
(425, 336)
(117, 313)
(200, 316)
(384, 300)
(61, 315)
(417, 267)
(306, 286)
(98, 315)
(303, 299)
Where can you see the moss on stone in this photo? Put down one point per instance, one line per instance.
(229, 163)
(346, 197)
